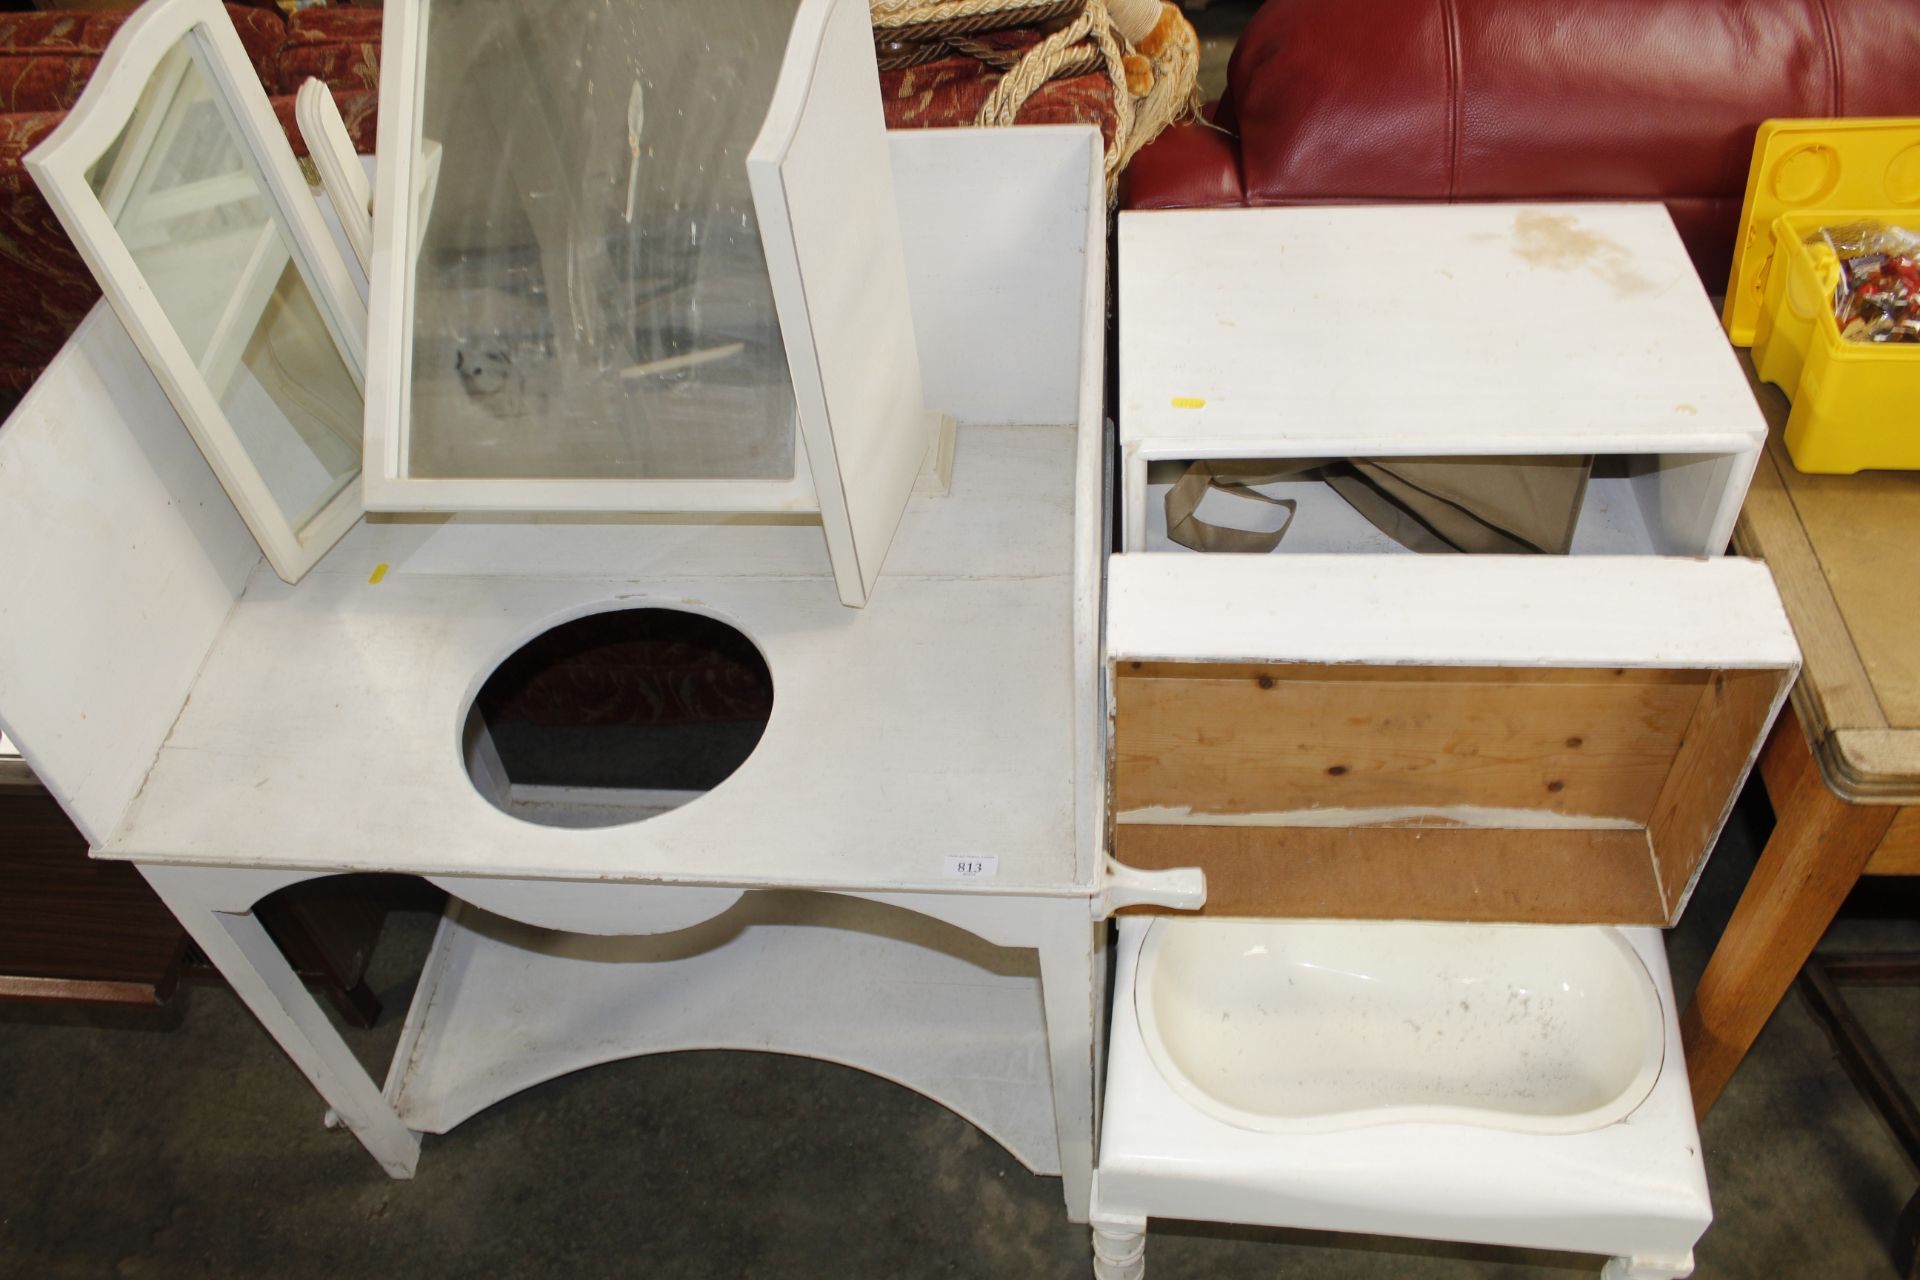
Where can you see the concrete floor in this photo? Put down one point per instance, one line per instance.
(135, 1148)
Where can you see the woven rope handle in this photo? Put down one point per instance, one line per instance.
(1045, 60)
(915, 31)
(959, 15)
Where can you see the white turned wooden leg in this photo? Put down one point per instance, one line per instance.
(1648, 1268)
(253, 966)
(1068, 970)
(1119, 1248)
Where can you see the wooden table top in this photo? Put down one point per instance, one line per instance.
(1842, 553)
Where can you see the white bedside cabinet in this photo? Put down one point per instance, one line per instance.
(1461, 331)
(1536, 751)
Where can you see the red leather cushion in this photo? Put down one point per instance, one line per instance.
(1489, 99)
(1547, 99)
(1189, 166)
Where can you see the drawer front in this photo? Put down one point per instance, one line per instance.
(1458, 738)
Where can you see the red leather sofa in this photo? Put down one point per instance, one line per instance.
(1331, 102)
(45, 61)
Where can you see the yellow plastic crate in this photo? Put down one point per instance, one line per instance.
(1856, 405)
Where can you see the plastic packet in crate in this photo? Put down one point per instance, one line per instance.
(1876, 295)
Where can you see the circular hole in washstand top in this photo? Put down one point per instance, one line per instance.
(617, 717)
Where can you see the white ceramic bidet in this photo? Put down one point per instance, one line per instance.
(1309, 1028)
(1501, 1085)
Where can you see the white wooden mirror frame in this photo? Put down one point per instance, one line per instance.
(60, 166)
(397, 226)
(822, 186)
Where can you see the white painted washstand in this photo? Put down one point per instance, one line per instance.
(1444, 803)
(903, 875)
(931, 786)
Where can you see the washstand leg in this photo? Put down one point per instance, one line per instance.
(1647, 1268)
(260, 975)
(1072, 988)
(1119, 1248)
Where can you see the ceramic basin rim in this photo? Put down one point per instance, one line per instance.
(1652, 1064)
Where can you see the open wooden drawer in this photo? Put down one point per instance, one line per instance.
(1480, 738)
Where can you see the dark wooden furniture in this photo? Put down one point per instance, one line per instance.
(79, 930)
(72, 928)
(1820, 983)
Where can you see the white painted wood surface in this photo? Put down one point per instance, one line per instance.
(1422, 329)
(1433, 330)
(404, 185)
(253, 964)
(60, 167)
(822, 184)
(999, 999)
(1092, 539)
(1073, 983)
(1002, 235)
(1526, 611)
(1020, 542)
(1005, 233)
(105, 485)
(874, 987)
(823, 193)
(124, 558)
(342, 176)
(1026, 512)
(939, 721)
(962, 716)
(592, 906)
(1690, 501)
(1073, 956)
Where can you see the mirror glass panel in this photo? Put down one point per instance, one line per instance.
(590, 299)
(192, 210)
